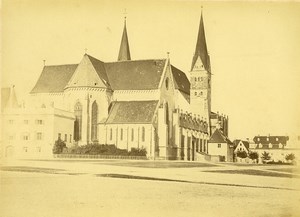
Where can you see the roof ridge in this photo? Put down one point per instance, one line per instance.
(71, 64)
(135, 60)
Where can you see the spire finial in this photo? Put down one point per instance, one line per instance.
(124, 53)
(168, 55)
(125, 13)
(44, 62)
(85, 50)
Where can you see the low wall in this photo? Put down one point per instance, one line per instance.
(98, 156)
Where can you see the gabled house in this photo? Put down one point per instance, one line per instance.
(240, 145)
(219, 144)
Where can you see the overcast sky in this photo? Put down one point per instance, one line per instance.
(254, 49)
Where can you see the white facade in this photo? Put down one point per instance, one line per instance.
(31, 133)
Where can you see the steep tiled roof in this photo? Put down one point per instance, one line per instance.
(135, 75)
(122, 75)
(181, 81)
(54, 78)
(132, 112)
(219, 137)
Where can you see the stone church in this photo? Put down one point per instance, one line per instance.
(135, 103)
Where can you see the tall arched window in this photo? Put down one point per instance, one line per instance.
(167, 113)
(143, 134)
(132, 134)
(78, 121)
(110, 134)
(121, 136)
(94, 121)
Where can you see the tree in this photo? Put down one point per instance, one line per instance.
(290, 157)
(242, 154)
(265, 156)
(59, 146)
(253, 155)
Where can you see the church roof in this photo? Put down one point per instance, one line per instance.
(132, 112)
(121, 75)
(54, 78)
(219, 137)
(135, 75)
(181, 81)
(201, 48)
(124, 52)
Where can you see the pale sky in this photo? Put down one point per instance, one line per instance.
(254, 49)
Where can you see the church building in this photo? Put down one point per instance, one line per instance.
(129, 103)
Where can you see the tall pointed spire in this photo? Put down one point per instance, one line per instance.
(124, 52)
(201, 48)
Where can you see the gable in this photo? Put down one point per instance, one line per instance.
(54, 78)
(87, 76)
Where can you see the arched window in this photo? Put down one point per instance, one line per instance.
(167, 113)
(94, 121)
(132, 134)
(143, 134)
(78, 121)
(121, 136)
(167, 83)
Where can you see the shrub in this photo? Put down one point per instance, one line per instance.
(138, 152)
(290, 157)
(265, 156)
(59, 146)
(94, 149)
(242, 154)
(253, 155)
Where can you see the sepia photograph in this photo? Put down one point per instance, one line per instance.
(150, 108)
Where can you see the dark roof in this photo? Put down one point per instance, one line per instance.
(237, 141)
(201, 48)
(54, 78)
(124, 52)
(135, 75)
(181, 81)
(219, 137)
(122, 75)
(265, 140)
(132, 112)
(100, 69)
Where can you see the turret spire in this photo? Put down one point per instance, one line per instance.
(201, 48)
(124, 52)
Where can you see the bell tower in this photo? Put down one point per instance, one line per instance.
(200, 78)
